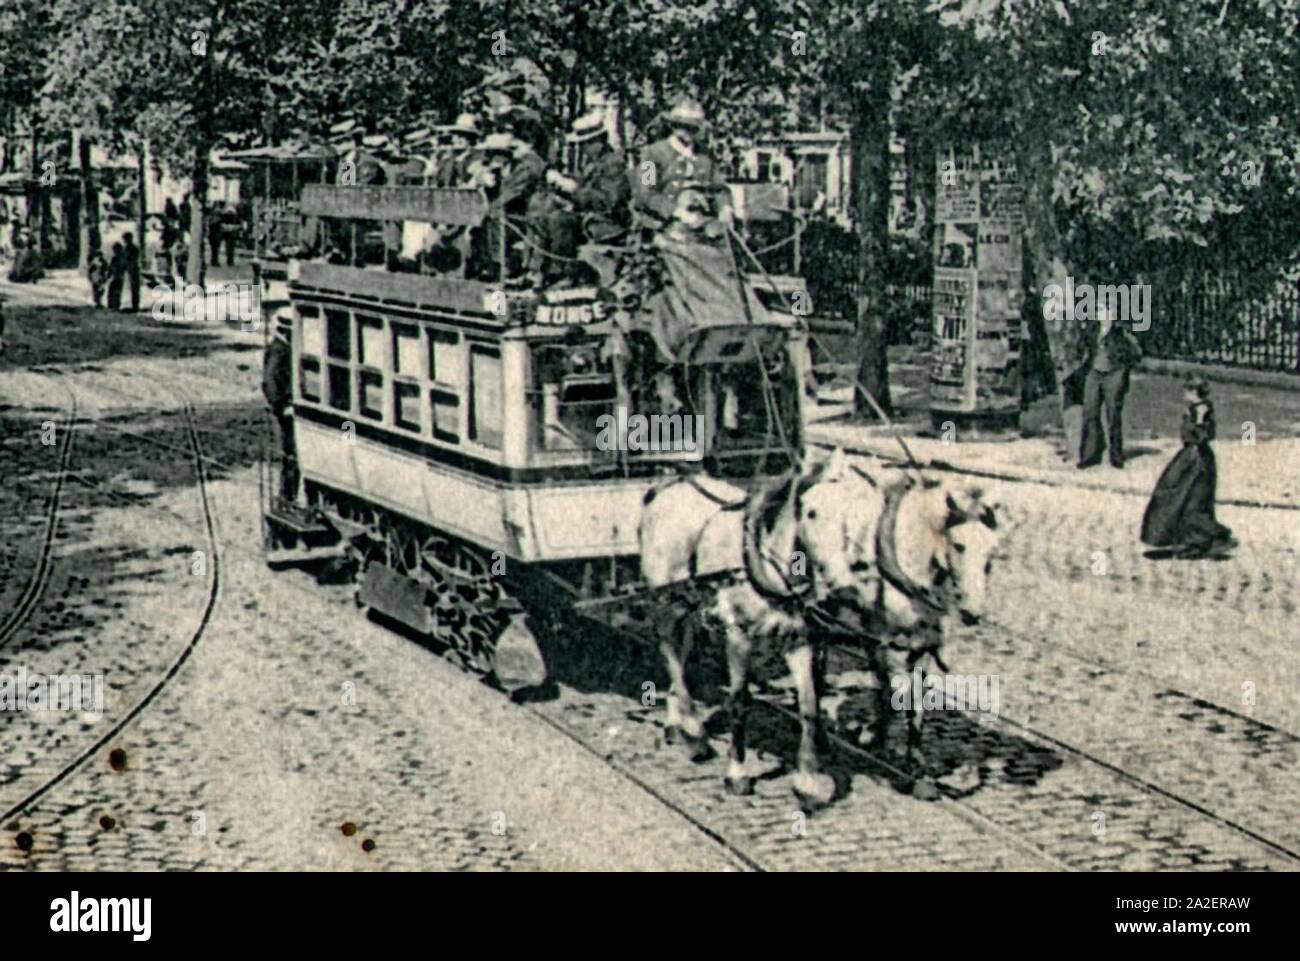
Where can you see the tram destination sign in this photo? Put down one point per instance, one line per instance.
(426, 204)
(575, 306)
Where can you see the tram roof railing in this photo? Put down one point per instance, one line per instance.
(483, 302)
(455, 207)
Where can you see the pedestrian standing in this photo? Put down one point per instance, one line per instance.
(277, 388)
(171, 217)
(1180, 515)
(229, 231)
(97, 273)
(116, 277)
(214, 234)
(1114, 354)
(167, 239)
(131, 257)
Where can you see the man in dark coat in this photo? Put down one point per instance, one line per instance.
(600, 195)
(116, 277)
(230, 230)
(1114, 354)
(451, 167)
(510, 172)
(603, 194)
(216, 228)
(671, 175)
(277, 387)
(131, 260)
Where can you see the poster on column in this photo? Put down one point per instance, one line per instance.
(978, 292)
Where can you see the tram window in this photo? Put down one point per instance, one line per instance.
(309, 379)
(446, 359)
(406, 405)
(338, 335)
(340, 384)
(370, 341)
(313, 331)
(575, 386)
(485, 396)
(446, 416)
(370, 394)
(406, 350)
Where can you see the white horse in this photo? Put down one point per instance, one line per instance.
(828, 548)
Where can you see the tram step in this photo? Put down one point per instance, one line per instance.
(395, 595)
(295, 556)
(297, 520)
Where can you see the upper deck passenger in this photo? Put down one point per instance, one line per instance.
(669, 170)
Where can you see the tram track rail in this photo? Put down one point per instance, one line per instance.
(178, 661)
(31, 595)
(954, 805)
(1088, 757)
(732, 851)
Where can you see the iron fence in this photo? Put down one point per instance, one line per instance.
(1238, 321)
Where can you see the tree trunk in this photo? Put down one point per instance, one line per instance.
(90, 239)
(1046, 259)
(203, 142)
(870, 166)
(34, 227)
(198, 229)
(74, 242)
(142, 207)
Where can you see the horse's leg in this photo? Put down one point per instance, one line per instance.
(812, 787)
(668, 647)
(737, 708)
(924, 787)
(819, 686)
(681, 720)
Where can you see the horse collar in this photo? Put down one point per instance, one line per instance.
(778, 589)
(887, 550)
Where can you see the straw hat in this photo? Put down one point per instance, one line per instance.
(588, 127)
(466, 123)
(500, 143)
(418, 138)
(685, 113)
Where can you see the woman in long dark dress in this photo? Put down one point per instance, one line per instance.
(1180, 514)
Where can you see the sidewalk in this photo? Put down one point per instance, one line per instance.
(1263, 474)
(220, 304)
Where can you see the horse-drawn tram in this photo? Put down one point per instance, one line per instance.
(465, 441)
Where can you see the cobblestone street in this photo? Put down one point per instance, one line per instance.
(1148, 714)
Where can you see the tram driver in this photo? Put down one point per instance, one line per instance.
(277, 387)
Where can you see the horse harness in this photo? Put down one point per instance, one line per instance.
(798, 594)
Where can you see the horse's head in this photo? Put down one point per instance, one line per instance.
(965, 533)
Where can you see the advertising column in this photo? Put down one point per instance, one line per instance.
(979, 227)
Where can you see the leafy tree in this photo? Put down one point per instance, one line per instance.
(1154, 132)
(24, 38)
